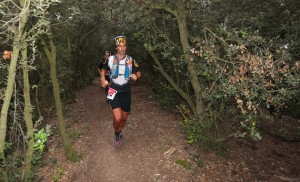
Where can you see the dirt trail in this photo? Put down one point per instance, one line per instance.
(149, 133)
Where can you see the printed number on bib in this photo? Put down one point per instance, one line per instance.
(111, 93)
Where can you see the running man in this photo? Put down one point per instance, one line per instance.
(123, 69)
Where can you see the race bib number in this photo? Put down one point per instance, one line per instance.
(111, 93)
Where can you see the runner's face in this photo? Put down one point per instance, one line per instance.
(106, 54)
(121, 49)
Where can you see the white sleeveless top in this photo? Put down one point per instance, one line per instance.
(120, 80)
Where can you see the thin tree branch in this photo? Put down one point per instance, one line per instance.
(166, 36)
(91, 31)
(172, 82)
(220, 38)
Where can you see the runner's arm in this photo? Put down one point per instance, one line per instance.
(104, 82)
(102, 73)
(135, 71)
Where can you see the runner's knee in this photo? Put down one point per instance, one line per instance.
(117, 119)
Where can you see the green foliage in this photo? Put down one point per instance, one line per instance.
(198, 159)
(3, 74)
(185, 164)
(58, 173)
(250, 125)
(74, 134)
(203, 136)
(247, 71)
(12, 164)
(80, 48)
(41, 138)
(166, 96)
(243, 63)
(193, 131)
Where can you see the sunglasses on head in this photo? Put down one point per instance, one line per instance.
(120, 40)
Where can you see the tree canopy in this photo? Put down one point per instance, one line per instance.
(210, 60)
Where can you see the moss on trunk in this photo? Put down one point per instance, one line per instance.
(50, 51)
(27, 116)
(12, 74)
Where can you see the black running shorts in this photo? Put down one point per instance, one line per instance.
(122, 100)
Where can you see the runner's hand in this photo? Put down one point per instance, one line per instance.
(133, 77)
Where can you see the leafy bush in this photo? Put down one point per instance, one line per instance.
(246, 71)
(41, 138)
(166, 96)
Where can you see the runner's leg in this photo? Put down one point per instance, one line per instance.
(117, 119)
(126, 107)
(124, 119)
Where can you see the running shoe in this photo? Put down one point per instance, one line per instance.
(121, 136)
(117, 141)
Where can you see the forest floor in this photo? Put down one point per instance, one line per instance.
(154, 149)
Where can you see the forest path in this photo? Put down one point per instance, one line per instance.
(149, 133)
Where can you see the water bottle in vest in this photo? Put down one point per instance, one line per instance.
(128, 69)
(115, 68)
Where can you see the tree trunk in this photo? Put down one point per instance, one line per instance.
(176, 87)
(183, 31)
(27, 116)
(51, 55)
(12, 74)
(45, 98)
(191, 66)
